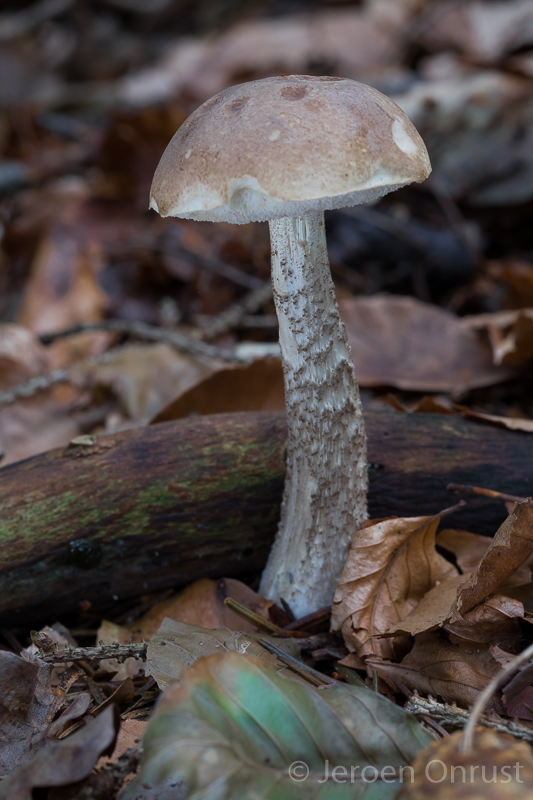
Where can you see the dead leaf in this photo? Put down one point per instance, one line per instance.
(63, 289)
(351, 41)
(42, 422)
(400, 341)
(145, 378)
(390, 567)
(201, 603)
(254, 387)
(495, 620)
(511, 423)
(130, 735)
(521, 706)
(483, 31)
(429, 405)
(28, 704)
(64, 762)
(457, 672)
(21, 356)
(469, 548)
(511, 547)
(177, 645)
(432, 610)
(451, 601)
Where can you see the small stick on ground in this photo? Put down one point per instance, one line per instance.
(461, 487)
(251, 617)
(233, 316)
(452, 716)
(119, 651)
(312, 675)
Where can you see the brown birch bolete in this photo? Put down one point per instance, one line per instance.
(283, 150)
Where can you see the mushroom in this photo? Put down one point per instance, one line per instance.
(283, 150)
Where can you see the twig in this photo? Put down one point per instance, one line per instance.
(250, 616)
(41, 382)
(175, 339)
(119, 651)
(233, 316)
(312, 675)
(486, 694)
(309, 621)
(460, 487)
(143, 331)
(455, 717)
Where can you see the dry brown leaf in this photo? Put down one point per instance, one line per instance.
(390, 567)
(493, 621)
(400, 341)
(429, 405)
(21, 355)
(450, 602)
(47, 420)
(254, 387)
(63, 290)
(64, 762)
(511, 547)
(28, 704)
(351, 41)
(511, 423)
(483, 31)
(178, 644)
(457, 672)
(510, 333)
(432, 610)
(496, 621)
(469, 548)
(145, 378)
(130, 735)
(201, 603)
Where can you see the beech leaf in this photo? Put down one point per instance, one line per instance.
(455, 671)
(390, 567)
(178, 644)
(233, 727)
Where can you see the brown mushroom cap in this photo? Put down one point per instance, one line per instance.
(284, 146)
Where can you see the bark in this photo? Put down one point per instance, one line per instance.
(324, 501)
(159, 507)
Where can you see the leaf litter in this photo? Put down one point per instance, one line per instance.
(435, 286)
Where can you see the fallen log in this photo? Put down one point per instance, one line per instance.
(158, 507)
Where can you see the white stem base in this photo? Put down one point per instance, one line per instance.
(324, 501)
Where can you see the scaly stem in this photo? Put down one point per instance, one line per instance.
(324, 501)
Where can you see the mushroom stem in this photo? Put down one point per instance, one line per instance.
(324, 501)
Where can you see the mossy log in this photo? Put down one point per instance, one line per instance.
(158, 507)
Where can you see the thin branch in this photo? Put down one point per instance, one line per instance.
(119, 651)
(513, 498)
(179, 341)
(143, 331)
(312, 675)
(233, 316)
(454, 717)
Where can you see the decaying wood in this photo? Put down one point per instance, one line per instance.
(159, 507)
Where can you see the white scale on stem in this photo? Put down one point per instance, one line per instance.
(324, 502)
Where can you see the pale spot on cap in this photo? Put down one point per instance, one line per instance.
(402, 139)
(275, 135)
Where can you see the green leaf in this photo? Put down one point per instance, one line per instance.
(232, 727)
